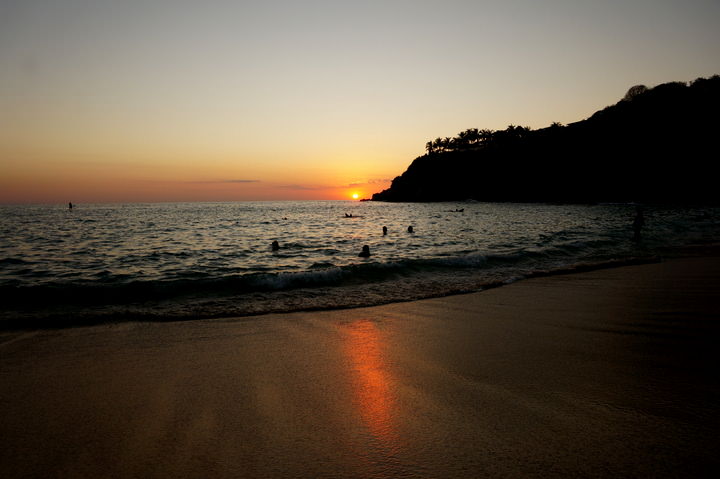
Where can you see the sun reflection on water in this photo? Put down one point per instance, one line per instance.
(372, 383)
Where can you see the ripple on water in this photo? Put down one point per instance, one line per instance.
(230, 242)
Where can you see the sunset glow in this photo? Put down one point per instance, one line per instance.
(160, 101)
(373, 392)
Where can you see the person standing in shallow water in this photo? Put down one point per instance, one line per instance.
(384, 230)
(638, 224)
(365, 253)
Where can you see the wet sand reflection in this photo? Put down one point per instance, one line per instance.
(372, 383)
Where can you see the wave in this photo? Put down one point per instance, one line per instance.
(13, 261)
(278, 298)
(107, 287)
(200, 261)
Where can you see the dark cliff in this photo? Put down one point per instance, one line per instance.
(655, 145)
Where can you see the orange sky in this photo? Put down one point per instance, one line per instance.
(51, 173)
(160, 100)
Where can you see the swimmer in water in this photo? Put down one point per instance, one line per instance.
(275, 245)
(365, 253)
(384, 230)
(638, 223)
(410, 229)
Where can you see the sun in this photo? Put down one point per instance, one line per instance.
(355, 196)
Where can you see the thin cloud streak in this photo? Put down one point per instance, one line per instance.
(304, 187)
(369, 182)
(212, 182)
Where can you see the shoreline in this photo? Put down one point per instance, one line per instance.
(597, 374)
(80, 318)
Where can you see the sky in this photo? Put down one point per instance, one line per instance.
(219, 100)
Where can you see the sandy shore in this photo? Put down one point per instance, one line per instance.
(611, 373)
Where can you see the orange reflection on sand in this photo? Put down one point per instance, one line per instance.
(371, 381)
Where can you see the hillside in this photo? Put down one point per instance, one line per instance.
(655, 145)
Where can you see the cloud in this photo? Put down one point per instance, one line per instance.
(208, 182)
(368, 182)
(303, 187)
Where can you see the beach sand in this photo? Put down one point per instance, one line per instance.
(609, 373)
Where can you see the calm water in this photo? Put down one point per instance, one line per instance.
(188, 260)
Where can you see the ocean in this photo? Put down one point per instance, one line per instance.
(172, 261)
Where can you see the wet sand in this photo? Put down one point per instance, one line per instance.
(610, 373)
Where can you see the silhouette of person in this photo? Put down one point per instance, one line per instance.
(410, 229)
(384, 230)
(275, 245)
(70, 205)
(365, 253)
(638, 223)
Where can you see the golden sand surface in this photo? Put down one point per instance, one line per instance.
(609, 373)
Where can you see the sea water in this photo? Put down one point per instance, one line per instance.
(166, 261)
